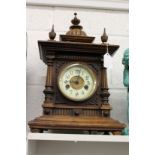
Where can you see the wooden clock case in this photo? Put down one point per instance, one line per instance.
(61, 113)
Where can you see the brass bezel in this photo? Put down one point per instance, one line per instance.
(90, 70)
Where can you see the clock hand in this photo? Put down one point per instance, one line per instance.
(78, 76)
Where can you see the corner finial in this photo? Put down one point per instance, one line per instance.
(104, 37)
(52, 34)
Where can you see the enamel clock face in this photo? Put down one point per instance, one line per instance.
(77, 82)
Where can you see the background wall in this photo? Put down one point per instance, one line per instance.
(41, 16)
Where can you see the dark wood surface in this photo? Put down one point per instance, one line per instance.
(49, 47)
(84, 39)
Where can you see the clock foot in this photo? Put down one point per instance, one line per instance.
(116, 132)
(46, 111)
(106, 133)
(36, 130)
(89, 131)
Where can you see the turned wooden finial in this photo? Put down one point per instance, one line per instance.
(75, 21)
(104, 37)
(52, 34)
(76, 29)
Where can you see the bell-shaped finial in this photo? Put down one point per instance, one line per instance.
(104, 37)
(52, 34)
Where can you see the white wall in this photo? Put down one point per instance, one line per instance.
(40, 18)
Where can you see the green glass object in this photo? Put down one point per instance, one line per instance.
(125, 62)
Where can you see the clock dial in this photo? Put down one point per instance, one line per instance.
(77, 82)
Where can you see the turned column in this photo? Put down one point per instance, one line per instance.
(105, 106)
(48, 102)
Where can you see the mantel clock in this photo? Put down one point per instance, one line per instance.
(76, 89)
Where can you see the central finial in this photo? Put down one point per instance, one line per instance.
(75, 28)
(75, 21)
(76, 33)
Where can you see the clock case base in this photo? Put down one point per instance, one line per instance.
(46, 122)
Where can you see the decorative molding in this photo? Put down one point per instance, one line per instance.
(118, 5)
